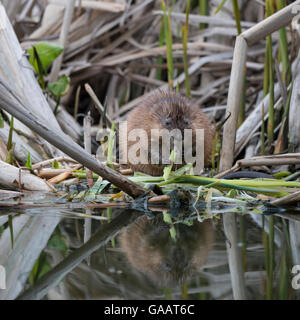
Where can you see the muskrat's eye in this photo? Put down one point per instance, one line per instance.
(167, 121)
(186, 121)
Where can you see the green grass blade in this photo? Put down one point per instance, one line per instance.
(185, 29)
(203, 10)
(220, 6)
(169, 42)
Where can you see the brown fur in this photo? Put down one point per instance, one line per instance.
(184, 114)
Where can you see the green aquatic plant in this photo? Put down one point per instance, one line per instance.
(1, 121)
(41, 56)
(203, 10)
(283, 47)
(10, 156)
(220, 6)
(169, 41)
(58, 89)
(28, 163)
(161, 42)
(185, 30)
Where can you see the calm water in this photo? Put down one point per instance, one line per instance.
(132, 255)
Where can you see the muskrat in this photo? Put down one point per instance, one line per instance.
(165, 109)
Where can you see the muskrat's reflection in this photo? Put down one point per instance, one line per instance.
(150, 248)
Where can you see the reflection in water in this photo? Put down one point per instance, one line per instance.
(167, 261)
(145, 262)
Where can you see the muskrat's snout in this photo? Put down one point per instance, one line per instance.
(179, 123)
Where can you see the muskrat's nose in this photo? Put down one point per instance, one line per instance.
(176, 139)
(178, 135)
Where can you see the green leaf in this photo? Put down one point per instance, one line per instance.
(183, 170)
(96, 190)
(47, 53)
(167, 218)
(168, 169)
(11, 230)
(232, 193)
(1, 122)
(281, 174)
(11, 130)
(40, 267)
(1, 230)
(28, 164)
(173, 233)
(58, 242)
(40, 69)
(60, 87)
(46, 267)
(55, 165)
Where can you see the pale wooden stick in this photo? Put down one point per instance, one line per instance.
(96, 5)
(9, 177)
(234, 257)
(157, 51)
(49, 161)
(227, 157)
(126, 172)
(273, 23)
(273, 160)
(292, 198)
(51, 173)
(234, 102)
(61, 177)
(195, 19)
(87, 123)
(163, 198)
